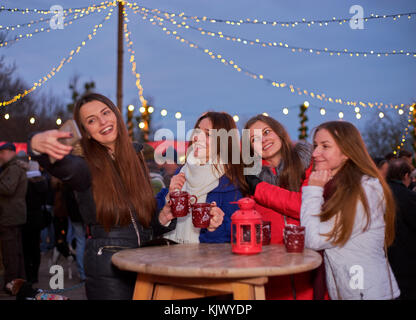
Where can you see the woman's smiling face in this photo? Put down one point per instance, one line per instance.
(100, 122)
(264, 141)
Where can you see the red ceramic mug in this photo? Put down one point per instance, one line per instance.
(294, 237)
(181, 203)
(266, 228)
(200, 215)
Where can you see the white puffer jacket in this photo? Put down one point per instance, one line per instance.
(359, 269)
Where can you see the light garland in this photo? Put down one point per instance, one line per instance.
(303, 21)
(131, 51)
(37, 31)
(280, 44)
(278, 84)
(406, 130)
(54, 70)
(103, 5)
(47, 11)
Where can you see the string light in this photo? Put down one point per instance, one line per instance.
(295, 23)
(59, 121)
(68, 12)
(279, 44)
(236, 118)
(130, 108)
(278, 84)
(38, 31)
(7, 116)
(178, 115)
(46, 11)
(322, 111)
(285, 111)
(381, 115)
(55, 70)
(341, 115)
(164, 112)
(406, 131)
(32, 120)
(129, 43)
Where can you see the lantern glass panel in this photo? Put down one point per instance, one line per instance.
(258, 233)
(234, 234)
(245, 233)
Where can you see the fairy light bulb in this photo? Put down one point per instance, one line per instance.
(163, 112)
(178, 115)
(285, 111)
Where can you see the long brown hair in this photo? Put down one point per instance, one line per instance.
(347, 189)
(293, 171)
(117, 184)
(234, 171)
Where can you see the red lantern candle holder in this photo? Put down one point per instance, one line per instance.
(246, 228)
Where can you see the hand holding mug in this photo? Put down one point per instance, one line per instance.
(217, 217)
(165, 215)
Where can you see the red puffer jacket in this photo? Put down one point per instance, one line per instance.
(273, 203)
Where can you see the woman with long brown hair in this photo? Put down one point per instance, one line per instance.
(348, 211)
(112, 185)
(277, 192)
(214, 173)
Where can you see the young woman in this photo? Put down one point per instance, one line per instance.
(213, 175)
(348, 211)
(112, 185)
(277, 192)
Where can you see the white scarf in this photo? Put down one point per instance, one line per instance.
(200, 180)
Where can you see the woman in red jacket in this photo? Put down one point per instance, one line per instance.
(277, 192)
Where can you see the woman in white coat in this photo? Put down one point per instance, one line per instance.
(348, 211)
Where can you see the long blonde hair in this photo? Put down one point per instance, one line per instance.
(346, 186)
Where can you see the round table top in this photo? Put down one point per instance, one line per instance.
(215, 261)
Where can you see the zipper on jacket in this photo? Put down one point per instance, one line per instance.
(100, 250)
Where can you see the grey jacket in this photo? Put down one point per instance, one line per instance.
(13, 187)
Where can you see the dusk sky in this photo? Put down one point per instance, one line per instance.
(184, 79)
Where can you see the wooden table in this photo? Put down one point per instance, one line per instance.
(186, 271)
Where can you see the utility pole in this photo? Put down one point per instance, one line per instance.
(120, 57)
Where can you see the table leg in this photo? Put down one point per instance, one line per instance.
(243, 291)
(143, 290)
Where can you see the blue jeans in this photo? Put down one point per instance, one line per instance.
(78, 231)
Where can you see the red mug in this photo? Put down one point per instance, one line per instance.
(180, 203)
(294, 237)
(200, 215)
(267, 232)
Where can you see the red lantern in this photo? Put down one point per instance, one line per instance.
(246, 225)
